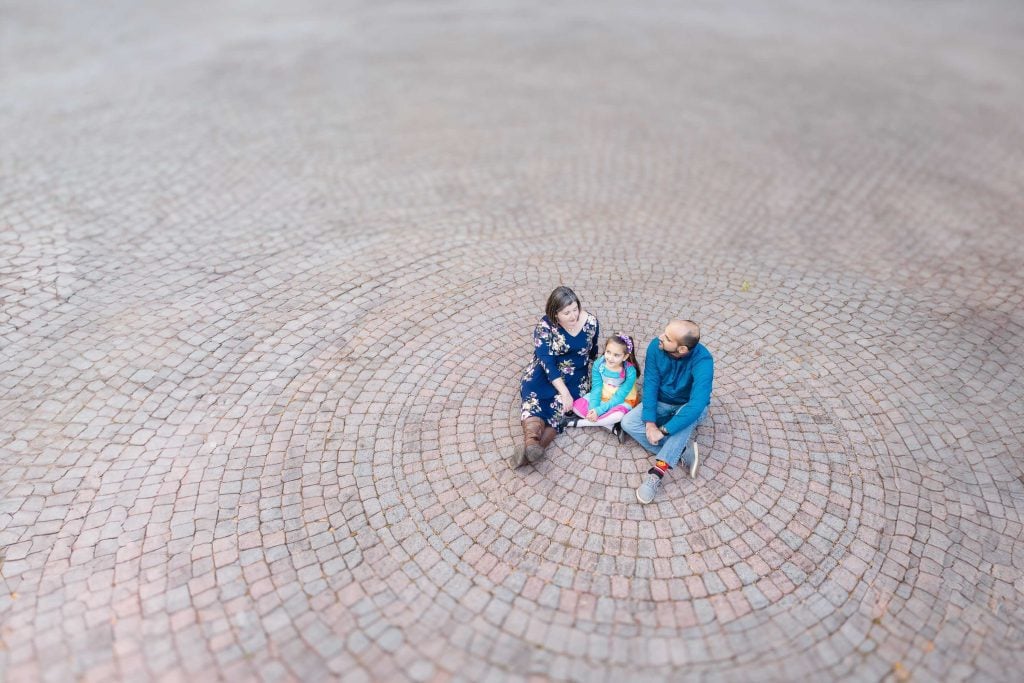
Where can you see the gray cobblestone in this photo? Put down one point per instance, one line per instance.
(266, 296)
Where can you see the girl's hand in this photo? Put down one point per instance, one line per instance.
(592, 415)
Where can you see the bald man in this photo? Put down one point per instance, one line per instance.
(678, 372)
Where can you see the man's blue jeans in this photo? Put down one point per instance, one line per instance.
(670, 448)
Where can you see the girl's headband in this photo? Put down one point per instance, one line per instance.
(627, 341)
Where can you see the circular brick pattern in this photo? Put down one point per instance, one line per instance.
(269, 282)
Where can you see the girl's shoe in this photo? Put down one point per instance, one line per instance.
(619, 432)
(572, 421)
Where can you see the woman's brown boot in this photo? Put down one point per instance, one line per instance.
(531, 450)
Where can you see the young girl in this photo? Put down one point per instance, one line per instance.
(613, 387)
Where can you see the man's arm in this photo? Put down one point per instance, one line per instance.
(700, 397)
(652, 382)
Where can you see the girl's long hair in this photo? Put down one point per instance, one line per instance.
(627, 343)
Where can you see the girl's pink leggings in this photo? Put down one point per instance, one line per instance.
(581, 407)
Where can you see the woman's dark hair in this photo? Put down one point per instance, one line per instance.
(626, 342)
(560, 298)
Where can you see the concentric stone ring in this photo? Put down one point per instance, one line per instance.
(268, 275)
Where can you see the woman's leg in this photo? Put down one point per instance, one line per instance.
(532, 449)
(547, 436)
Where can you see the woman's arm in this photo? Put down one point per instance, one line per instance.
(563, 391)
(542, 349)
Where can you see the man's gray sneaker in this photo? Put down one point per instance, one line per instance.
(696, 460)
(649, 489)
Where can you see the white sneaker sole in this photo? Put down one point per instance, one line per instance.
(696, 461)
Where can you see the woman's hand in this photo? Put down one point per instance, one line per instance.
(563, 394)
(566, 398)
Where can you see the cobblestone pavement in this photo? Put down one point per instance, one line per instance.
(269, 272)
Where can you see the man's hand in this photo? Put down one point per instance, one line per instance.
(654, 435)
(592, 415)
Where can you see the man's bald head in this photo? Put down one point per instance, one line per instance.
(679, 337)
(686, 332)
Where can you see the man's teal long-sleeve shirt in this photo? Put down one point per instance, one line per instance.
(682, 381)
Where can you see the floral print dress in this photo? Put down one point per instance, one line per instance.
(556, 353)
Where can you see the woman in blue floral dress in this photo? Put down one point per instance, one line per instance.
(565, 343)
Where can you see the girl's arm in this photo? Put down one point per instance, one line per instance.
(596, 385)
(621, 393)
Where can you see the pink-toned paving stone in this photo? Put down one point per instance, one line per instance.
(268, 275)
